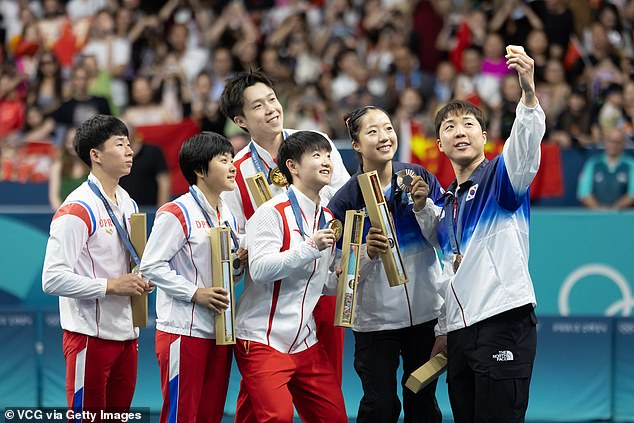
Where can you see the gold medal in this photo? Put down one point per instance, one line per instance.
(277, 177)
(337, 228)
(404, 179)
(457, 259)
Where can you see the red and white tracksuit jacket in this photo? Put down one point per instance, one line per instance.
(83, 252)
(177, 259)
(240, 200)
(288, 275)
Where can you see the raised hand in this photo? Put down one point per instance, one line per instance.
(518, 60)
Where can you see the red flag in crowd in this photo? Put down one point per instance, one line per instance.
(548, 182)
(170, 137)
(424, 151)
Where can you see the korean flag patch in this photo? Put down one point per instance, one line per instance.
(472, 192)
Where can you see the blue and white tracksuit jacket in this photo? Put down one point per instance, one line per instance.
(492, 209)
(379, 306)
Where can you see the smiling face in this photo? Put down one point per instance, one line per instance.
(377, 141)
(221, 174)
(262, 114)
(313, 170)
(462, 138)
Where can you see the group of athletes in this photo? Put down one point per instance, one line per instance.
(476, 304)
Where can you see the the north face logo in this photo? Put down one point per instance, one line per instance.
(503, 356)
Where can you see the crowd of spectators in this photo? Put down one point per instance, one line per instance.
(156, 63)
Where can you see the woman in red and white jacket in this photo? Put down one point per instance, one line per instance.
(194, 370)
(291, 258)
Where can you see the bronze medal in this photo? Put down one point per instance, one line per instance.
(337, 228)
(457, 259)
(277, 177)
(404, 179)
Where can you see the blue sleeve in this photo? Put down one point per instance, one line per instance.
(504, 192)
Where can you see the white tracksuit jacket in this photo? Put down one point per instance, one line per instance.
(83, 252)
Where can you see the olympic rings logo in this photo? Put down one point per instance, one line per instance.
(623, 306)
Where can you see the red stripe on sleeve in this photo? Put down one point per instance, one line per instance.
(75, 209)
(176, 211)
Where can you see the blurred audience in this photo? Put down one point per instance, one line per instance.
(158, 63)
(67, 172)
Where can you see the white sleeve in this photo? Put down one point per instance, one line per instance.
(441, 326)
(427, 219)
(264, 237)
(522, 152)
(166, 239)
(67, 238)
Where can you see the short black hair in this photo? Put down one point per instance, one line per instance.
(232, 98)
(198, 150)
(94, 132)
(456, 108)
(294, 147)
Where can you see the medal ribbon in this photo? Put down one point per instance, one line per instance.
(259, 163)
(123, 235)
(453, 228)
(297, 212)
(234, 238)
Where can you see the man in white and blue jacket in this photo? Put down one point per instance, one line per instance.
(488, 324)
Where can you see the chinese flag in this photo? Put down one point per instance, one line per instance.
(424, 151)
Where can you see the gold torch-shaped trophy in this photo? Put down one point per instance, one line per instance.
(349, 278)
(222, 277)
(381, 218)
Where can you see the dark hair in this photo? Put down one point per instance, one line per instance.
(232, 98)
(94, 132)
(458, 107)
(198, 150)
(353, 120)
(353, 123)
(57, 76)
(294, 147)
